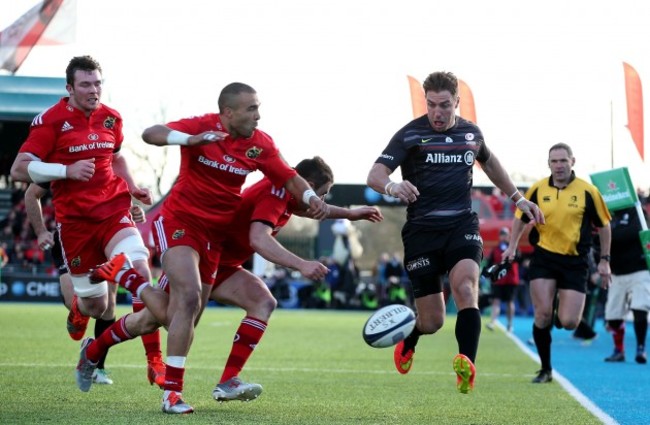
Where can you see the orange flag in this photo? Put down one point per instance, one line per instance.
(467, 110)
(419, 105)
(634, 96)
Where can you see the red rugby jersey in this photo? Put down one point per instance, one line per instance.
(63, 134)
(209, 183)
(260, 202)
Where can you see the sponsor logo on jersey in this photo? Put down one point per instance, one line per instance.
(228, 159)
(253, 152)
(91, 146)
(469, 136)
(76, 262)
(125, 220)
(66, 127)
(224, 166)
(449, 140)
(418, 263)
(426, 140)
(178, 234)
(453, 158)
(388, 157)
(93, 136)
(109, 122)
(473, 237)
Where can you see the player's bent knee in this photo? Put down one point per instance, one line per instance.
(569, 324)
(133, 247)
(266, 307)
(84, 289)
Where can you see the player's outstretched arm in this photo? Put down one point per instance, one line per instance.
(161, 135)
(263, 242)
(372, 214)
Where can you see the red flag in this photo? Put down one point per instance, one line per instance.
(467, 110)
(18, 39)
(634, 96)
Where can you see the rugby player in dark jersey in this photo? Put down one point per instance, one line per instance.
(559, 263)
(436, 153)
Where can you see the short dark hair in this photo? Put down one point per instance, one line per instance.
(561, 146)
(80, 63)
(315, 170)
(440, 81)
(228, 94)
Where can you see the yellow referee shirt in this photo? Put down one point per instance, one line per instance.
(569, 213)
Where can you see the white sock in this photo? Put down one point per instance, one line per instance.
(176, 361)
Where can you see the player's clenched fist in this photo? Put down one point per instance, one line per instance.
(82, 170)
(313, 270)
(207, 137)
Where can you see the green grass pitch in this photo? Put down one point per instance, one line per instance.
(313, 365)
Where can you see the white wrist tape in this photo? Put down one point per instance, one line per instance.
(307, 195)
(520, 200)
(178, 138)
(516, 192)
(41, 172)
(388, 187)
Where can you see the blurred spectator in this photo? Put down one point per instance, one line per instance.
(630, 287)
(4, 256)
(380, 275)
(334, 274)
(504, 284)
(524, 305)
(279, 285)
(18, 196)
(347, 248)
(5, 169)
(396, 292)
(321, 295)
(497, 200)
(394, 269)
(368, 297)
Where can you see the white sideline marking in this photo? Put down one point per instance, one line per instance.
(565, 383)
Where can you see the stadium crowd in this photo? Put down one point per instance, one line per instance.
(18, 243)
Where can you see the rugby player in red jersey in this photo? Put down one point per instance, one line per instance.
(75, 145)
(218, 151)
(48, 239)
(264, 210)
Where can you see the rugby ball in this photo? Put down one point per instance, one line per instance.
(388, 326)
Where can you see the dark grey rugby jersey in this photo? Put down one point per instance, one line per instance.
(440, 165)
